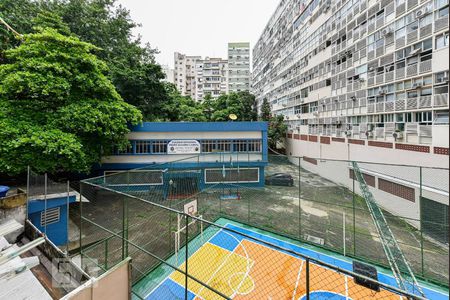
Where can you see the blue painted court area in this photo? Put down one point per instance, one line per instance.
(324, 295)
(169, 289)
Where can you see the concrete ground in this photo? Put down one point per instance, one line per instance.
(312, 210)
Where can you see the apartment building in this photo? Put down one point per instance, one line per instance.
(211, 78)
(169, 73)
(239, 67)
(374, 72)
(184, 77)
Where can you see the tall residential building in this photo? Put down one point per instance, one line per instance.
(239, 67)
(196, 77)
(184, 67)
(169, 73)
(211, 78)
(369, 72)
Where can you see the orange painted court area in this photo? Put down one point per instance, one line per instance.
(249, 272)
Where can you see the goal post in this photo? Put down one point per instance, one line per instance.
(190, 209)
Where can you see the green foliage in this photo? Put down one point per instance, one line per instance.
(242, 104)
(59, 110)
(277, 130)
(103, 23)
(277, 127)
(266, 112)
(180, 108)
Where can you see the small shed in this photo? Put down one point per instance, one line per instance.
(50, 215)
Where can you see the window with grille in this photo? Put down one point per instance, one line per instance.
(159, 147)
(143, 147)
(232, 175)
(50, 216)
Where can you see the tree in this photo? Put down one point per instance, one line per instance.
(58, 109)
(277, 127)
(266, 112)
(277, 130)
(180, 108)
(242, 104)
(103, 23)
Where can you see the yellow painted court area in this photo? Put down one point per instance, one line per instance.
(220, 269)
(249, 273)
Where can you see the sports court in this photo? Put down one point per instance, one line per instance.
(243, 269)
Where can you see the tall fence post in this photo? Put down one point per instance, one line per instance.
(354, 212)
(307, 279)
(81, 224)
(299, 198)
(68, 216)
(421, 217)
(45, 204)
(186, 258)
(28, 191)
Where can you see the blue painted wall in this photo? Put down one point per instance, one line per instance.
(56, 232)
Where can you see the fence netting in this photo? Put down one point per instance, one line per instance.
(144, 214)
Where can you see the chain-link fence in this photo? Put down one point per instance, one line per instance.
(140, 213)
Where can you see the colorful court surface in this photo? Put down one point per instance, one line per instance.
(241, 268)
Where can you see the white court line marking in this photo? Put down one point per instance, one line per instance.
(325, 255)
(168, 276)
(298, 280)
(346, 287)
(216, 271)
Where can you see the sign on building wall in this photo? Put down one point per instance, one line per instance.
(183, 147)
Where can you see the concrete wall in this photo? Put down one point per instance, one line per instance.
(433, 183)
(13, 207)
(113, 285)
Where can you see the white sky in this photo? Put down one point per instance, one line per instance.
(199, 27)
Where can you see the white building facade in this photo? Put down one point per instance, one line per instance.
(367, 81)
(185, 73)
(211, 78)
(239, 67)
(358, 69)
(169, 73)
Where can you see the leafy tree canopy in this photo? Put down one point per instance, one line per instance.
(58, 109)
(103, 23)
(242, 104)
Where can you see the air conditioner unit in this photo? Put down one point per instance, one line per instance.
(299, 115)
(417, 85)
(369, 133)
(371, 69)
(386, 31)
(361, 79)
(415, 52)
(397, 135)
(381, 92)
(348, 133)
(316, 114)
(422, 12)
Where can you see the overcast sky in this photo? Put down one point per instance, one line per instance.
(199, 27)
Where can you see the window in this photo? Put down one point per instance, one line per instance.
(442, 41)
(159, 147)
(254, 146)
(441, 117)
(50, 216)
(442, 12)
(142, 147)
(426, 92)
(423, 117)
(128, 150)
(440, 3)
